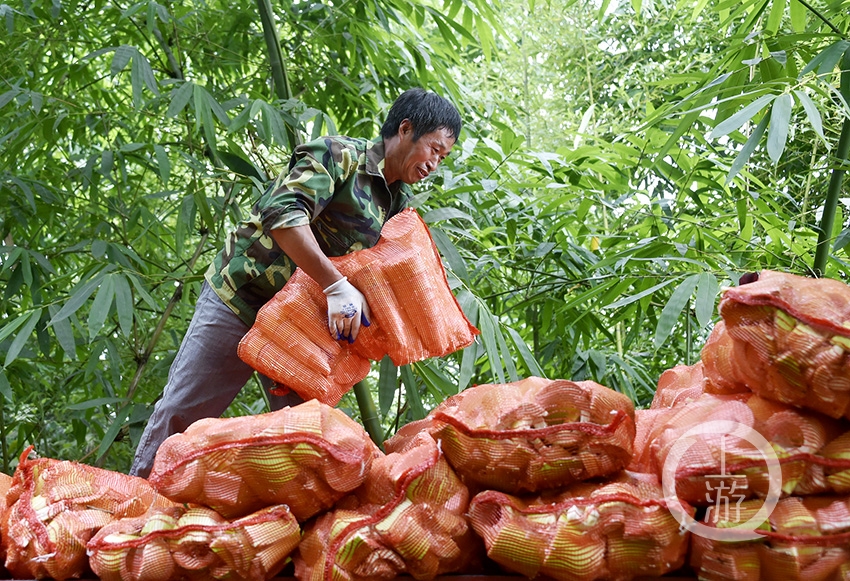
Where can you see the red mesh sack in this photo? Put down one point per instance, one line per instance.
(535, 434)
(795, 436)
(619, 529)
(5, 484)
(407, 518)
(679, 385)
(54, 507)
(790, 340)
(414, 316)
(194, 544)
(724, 360)
(306, 457)
(804, 539)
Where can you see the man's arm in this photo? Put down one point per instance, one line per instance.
(346, 305)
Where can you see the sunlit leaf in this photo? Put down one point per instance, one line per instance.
(780, 118)
(738, 119)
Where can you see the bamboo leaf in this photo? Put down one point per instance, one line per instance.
(774, 18)
(747, 150)
(414, 402)
(124, 304)
(452, 256)
(811, 112)
(6, 388)
(114, 428)
(64, 334)
(507, 356)
(97, 402)
(163, 163)
(798, 15)
(826, 60)
(636, 297)
(387, 384)
(179, 99)
(780, 118)
(80, 296)
(438, 214)
(738, 119)
(101, 305)
(671, 311)
(527, 357)
(488, 337)
(121, 58)
(22, 337)
(707, 289)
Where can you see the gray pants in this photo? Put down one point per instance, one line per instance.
(204, 378)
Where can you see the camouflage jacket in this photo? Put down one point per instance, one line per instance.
(336, 186)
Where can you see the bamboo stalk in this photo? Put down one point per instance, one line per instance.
(368, 412)
(278, 64)
(842, 153)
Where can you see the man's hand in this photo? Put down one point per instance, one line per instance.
(347, 308)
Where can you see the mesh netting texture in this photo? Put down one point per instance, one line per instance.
(194, 544)
(53, 508)
(795, 436)
(812, 451)
(804, 539)
(615, 530)
(786, 338)
(407, 518)
(414, 316)
(306, 457)
(535, 434)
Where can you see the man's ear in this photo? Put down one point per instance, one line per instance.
(405, 127)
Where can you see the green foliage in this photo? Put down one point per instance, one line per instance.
(621, 163)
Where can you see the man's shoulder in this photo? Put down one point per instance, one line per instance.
(336, 143)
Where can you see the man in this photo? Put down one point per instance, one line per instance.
(338, 193)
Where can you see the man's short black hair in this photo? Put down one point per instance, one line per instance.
(426, 111)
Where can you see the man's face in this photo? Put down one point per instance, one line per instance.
(417, 159)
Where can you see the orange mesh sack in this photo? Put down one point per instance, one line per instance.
(407, 518)
(54, 507)
(307, 457)
(620, 529)
(791, 337)
(414, 316)
(804, 539)
(535, 434)
(5, 484)
(194, 544)
(679, 385)
(794, 435)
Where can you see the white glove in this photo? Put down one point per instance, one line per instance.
(347, 309)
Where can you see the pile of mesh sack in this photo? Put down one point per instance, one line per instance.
(786, 338)
(797, 437)
(534, 434)
(414, 316)
(616, 529)
(804, 539)
(53, 508)
(194, 543)
(408, 517)
(774, 364)
(307, 457)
